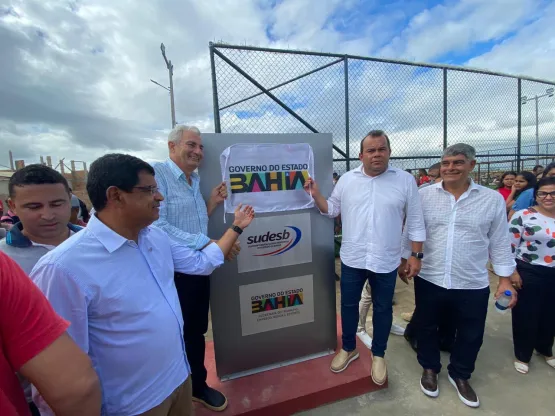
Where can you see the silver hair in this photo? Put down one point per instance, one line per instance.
(460, 149)
(177, 132)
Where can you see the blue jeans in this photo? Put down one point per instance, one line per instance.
(383, 288)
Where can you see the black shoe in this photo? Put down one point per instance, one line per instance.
(212, 399)
(466, 393)
(428, 383)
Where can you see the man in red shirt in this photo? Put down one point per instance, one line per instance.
(33, 342)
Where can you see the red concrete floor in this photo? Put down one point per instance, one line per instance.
(294, 388)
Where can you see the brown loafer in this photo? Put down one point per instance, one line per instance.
(466, 393)
(428, 383)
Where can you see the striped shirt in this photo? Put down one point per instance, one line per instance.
(183, 213)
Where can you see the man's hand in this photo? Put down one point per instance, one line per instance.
(413, 267)
(516, 280)
(218, 194)
(243, 217)
(311, 187)
(234, 251)
(402, 271)
(504, 285)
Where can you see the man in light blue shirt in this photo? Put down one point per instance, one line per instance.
(114, 282)
(184, 216)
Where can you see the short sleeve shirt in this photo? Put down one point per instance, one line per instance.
(28, 325)
(533, 237)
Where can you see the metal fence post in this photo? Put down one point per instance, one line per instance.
(444, 108)
(519, 127)
(347, 128)
(217, 125)
(489, 170)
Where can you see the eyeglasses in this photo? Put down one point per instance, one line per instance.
(543, 194)
(153, 190)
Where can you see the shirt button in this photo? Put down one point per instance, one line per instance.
(150, 249)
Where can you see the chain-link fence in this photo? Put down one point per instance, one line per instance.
(424, 108)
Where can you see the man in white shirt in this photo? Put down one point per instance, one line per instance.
(465, 225)
(373, 201)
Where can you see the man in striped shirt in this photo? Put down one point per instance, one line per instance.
(184, 217)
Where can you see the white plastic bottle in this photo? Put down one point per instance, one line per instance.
(502, 304)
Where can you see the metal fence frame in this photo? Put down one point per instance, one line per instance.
(345, 156)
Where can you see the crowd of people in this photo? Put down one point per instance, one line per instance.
(88, 301)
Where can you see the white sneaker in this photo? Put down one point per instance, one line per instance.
(365, 338)
(397, 329)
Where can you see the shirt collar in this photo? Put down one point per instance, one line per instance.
(473, 186)
(106, 236)
(16, 238)
(176, 170)
(360, 169)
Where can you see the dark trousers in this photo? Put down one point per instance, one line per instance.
(534, 315)
(383, 288)
(446, 330)
(468, 309)
(194, 297)
(34, 410)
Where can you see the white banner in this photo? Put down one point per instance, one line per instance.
(270, 177)
(276, 304)
(276, 241)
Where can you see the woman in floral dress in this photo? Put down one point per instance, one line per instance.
(532, 232)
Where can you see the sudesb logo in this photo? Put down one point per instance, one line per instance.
(285, 238)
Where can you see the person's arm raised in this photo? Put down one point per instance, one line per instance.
(312, 188)
(243, 217)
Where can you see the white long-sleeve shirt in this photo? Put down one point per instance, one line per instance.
(372, 211)
(462, 235)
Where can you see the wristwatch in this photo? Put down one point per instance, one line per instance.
(237, 229)
(419, 256)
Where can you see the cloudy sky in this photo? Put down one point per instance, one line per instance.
(75, 74)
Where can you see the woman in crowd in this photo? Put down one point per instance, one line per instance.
(8, 218)
(422, 177)
(533, 241)
(505, 186)
(523, 182)
(549, 170)
(526, 198)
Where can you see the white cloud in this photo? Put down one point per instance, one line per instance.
(458, 25)
(76, 74)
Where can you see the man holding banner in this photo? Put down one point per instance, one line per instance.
(373, 201)
(184, 217)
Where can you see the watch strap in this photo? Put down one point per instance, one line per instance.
(237, 229)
